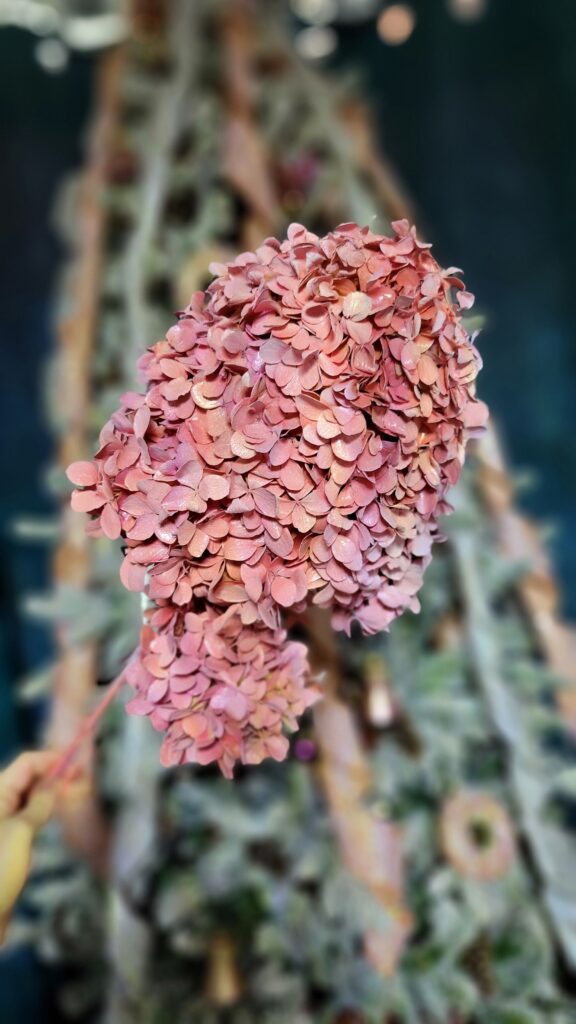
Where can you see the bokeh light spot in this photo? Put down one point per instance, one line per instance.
(396, 24)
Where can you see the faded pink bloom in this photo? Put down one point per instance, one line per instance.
(219, 691)
(302, 424)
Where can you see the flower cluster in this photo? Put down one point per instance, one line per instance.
(302, 423)
(219, 692)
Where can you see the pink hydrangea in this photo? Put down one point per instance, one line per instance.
(302, 423)
(219, 691)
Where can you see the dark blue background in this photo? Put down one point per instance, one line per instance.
(480, 121)
(41, 118)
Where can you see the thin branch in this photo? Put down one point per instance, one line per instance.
(552, 848)
(372, 849)
(520, 542)
(76, 671)
(183, 38)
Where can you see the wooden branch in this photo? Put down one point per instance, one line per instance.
(372, 849)
(361, 204)
(387, 186)
(246, 160)
(183, 40)
(552, 847)
(77, 667)
(520, 542)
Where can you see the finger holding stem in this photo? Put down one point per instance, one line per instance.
(20, 777)
(26, 804)
(61, 766)
(29, 789)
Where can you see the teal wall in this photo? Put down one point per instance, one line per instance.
(480, 120)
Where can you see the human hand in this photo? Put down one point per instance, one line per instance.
(26, 804)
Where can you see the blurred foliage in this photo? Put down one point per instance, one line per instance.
(228, 903)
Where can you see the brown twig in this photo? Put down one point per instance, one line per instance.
(372, 849)
(87, 728)
(551, 846)
(77, 666)
(520, 542)
(245, 157)
(387, 186)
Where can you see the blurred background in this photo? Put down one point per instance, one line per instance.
(469, 107)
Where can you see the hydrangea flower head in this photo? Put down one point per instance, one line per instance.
(302, 423)
(218, 690)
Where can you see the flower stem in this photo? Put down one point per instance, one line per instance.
(88, 726)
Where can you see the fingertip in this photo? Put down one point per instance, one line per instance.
(28, 766)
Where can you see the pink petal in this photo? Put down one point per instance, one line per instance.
(292, 476)
(283, 591)
(427, 369)
(265, 502)
(465, 300)
(344, 549)
(348, 450)
(475, 414)
(194, 725)
(341, 472)
(238, 550)
(214, 487)
(141, 421)
(138, 706)
(280, 453)
(357, 305)
(252, 580)
(158, 690)
(409, 356)
(86, 501)
(132, 576)
(302, 520)
(232, 702)
(326, 428)
(277, 747)
(110, 522)
(198, 544)
(83, 474)
(281, 546)
(144, 527)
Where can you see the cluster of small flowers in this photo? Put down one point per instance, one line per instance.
(219, 691)
(302, 423)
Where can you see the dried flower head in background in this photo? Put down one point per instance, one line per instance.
(302, 423)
